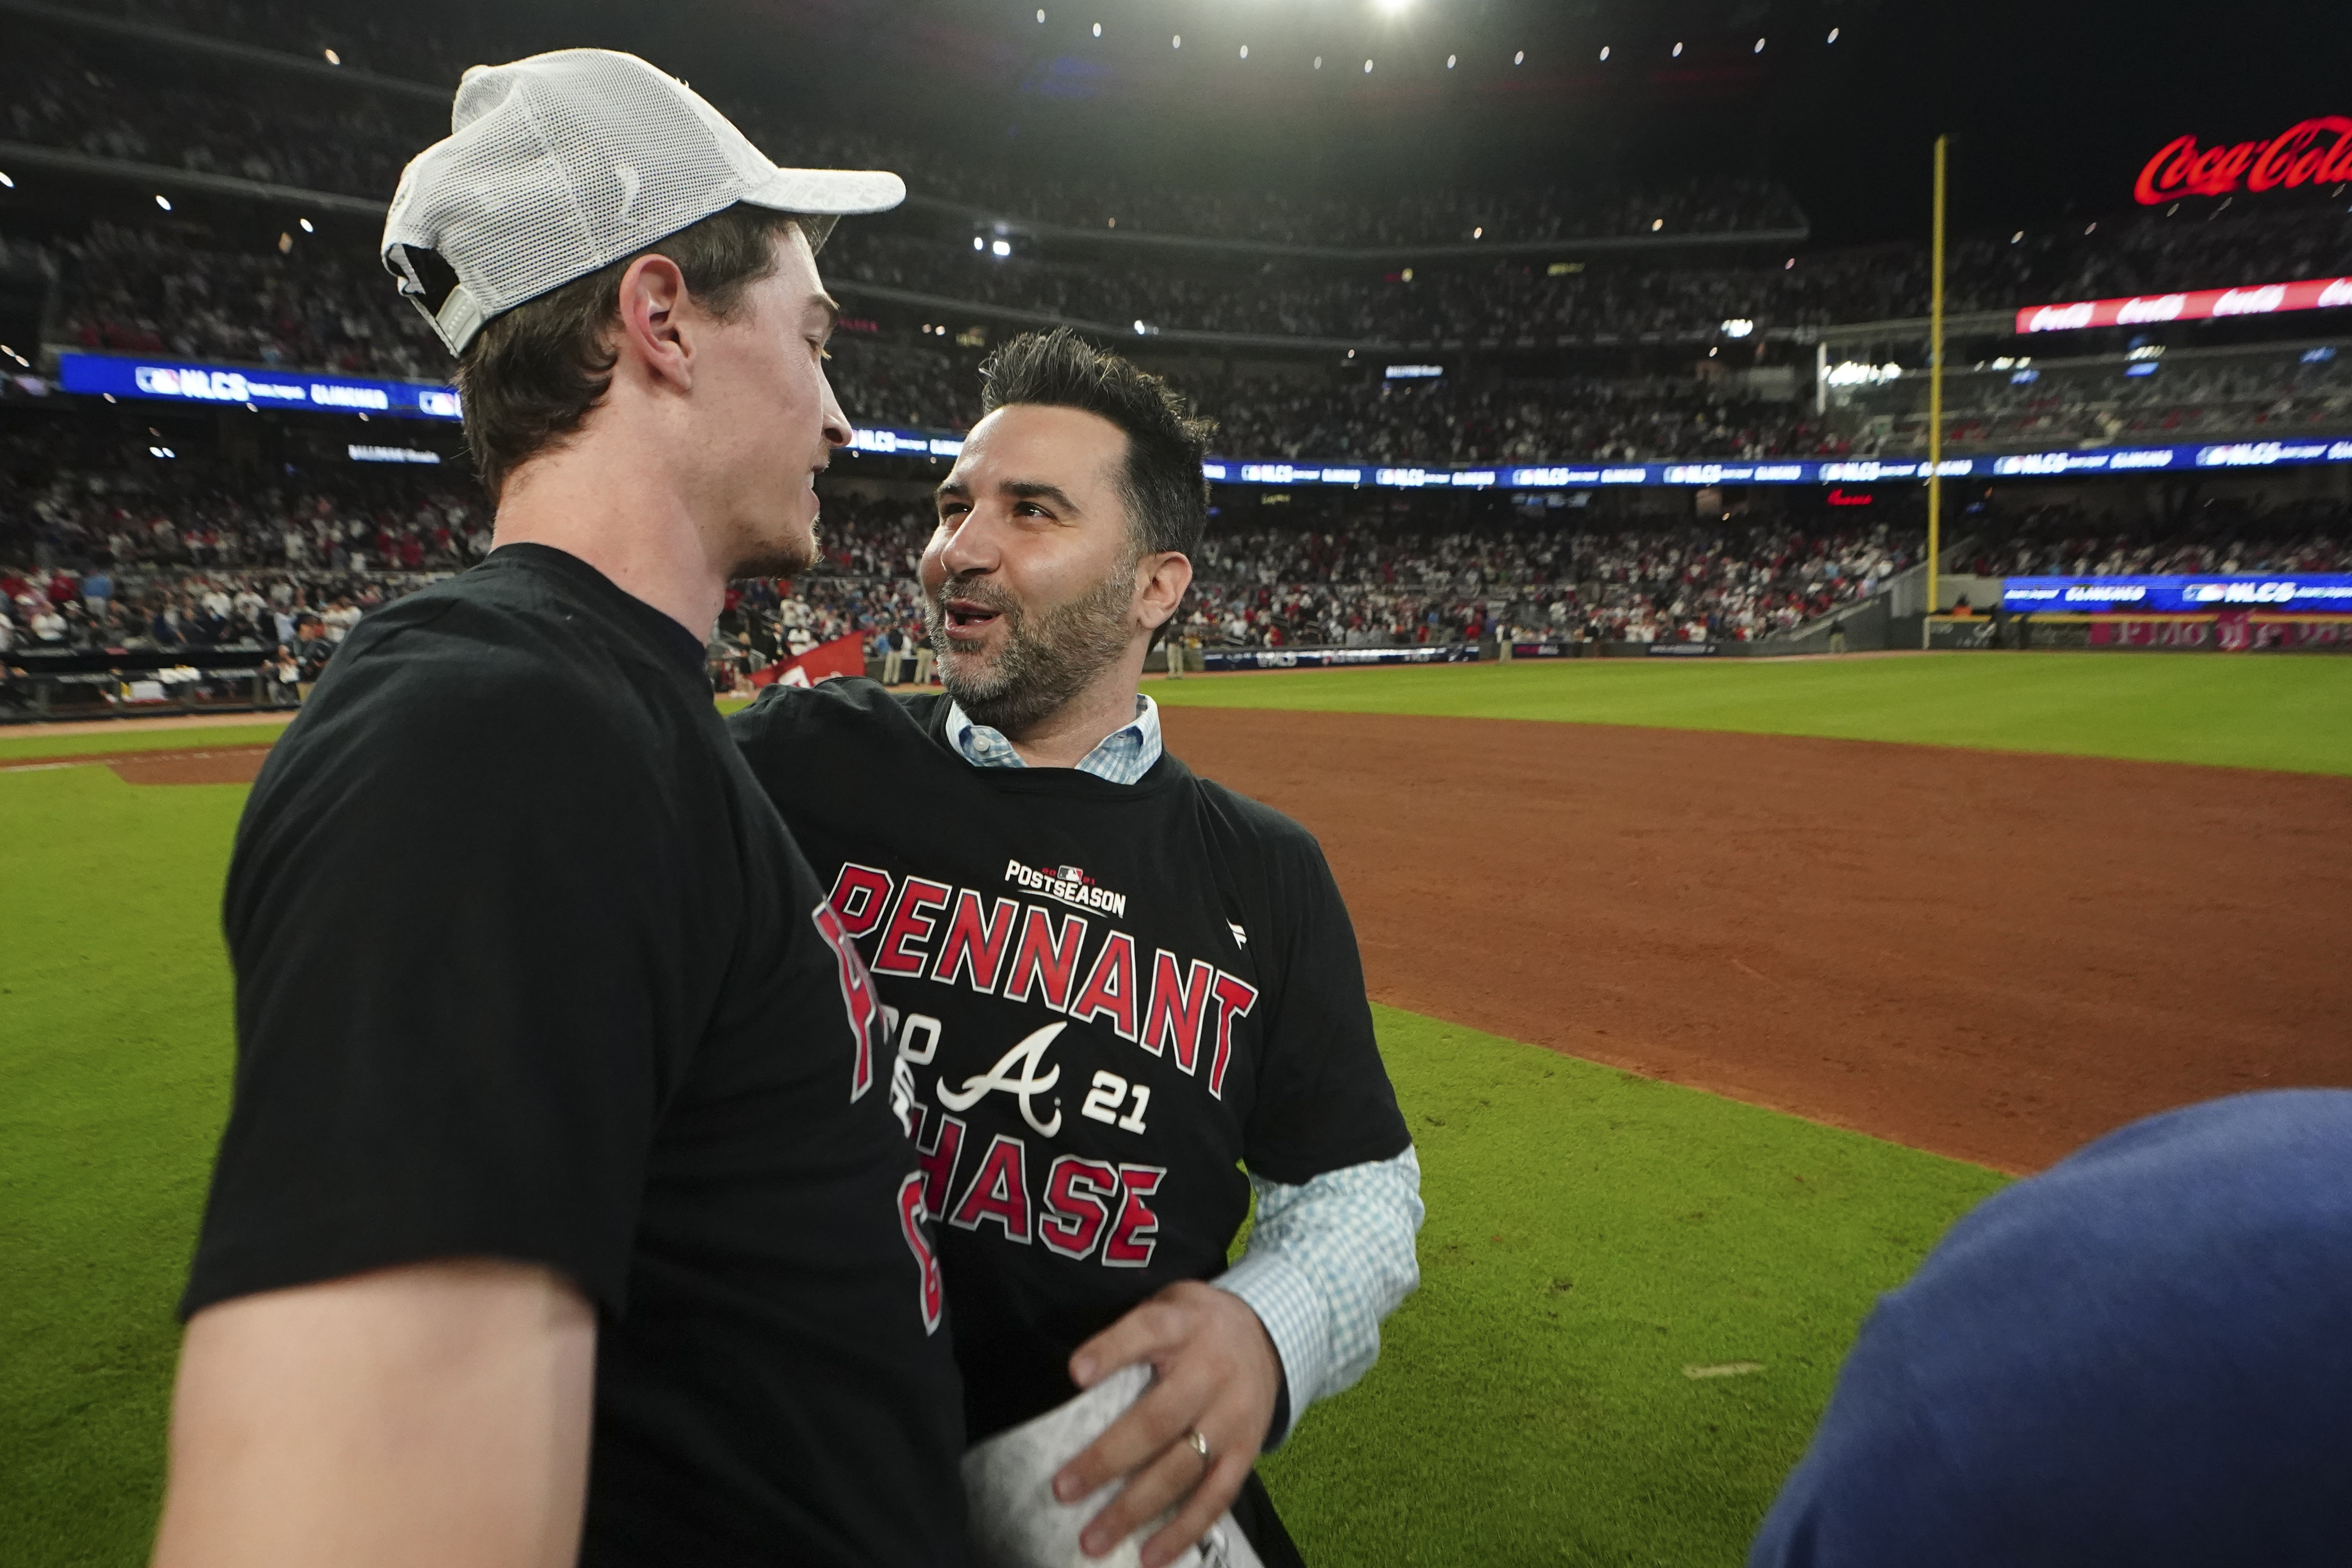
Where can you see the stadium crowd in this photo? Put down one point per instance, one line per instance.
(162, 562)
(310, 303)
(2312, 534)
(1447, 420)
(2276, 396)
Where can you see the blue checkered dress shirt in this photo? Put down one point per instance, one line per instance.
(1327, 1260)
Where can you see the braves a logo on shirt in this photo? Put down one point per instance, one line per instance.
(1029, 1054)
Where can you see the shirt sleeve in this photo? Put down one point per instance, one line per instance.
(1323, 1098)
(1328, 1260)
(461, 919)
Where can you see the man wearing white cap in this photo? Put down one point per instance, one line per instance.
(562, 1212)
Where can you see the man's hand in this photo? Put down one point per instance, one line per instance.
(1218, 1375)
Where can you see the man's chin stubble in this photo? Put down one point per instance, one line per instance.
(778, 558)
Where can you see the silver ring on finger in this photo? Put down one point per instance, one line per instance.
(1199, 1446)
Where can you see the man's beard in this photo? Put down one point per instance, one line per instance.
(1043, 667)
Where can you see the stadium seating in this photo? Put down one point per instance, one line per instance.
(1548, 352)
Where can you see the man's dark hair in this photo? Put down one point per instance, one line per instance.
(532, 374)
(1167, 497)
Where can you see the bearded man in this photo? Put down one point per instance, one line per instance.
(1113, 984)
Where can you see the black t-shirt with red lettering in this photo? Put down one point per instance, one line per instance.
(1106, 1000)
(527, 968)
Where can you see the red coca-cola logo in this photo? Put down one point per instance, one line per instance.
(2310, 152)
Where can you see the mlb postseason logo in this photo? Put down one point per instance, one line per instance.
(1068, 885)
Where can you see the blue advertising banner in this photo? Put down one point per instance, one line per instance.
(1216, 659)
(2326, 592)
(183, 381)
(1805, 472)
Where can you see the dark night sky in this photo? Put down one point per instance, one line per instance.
(2055, 104)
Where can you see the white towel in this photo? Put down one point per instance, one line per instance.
(1009, 1483)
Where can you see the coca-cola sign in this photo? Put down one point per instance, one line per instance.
(2192, 305)
(2316, 151)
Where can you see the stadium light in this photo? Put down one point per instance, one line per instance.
(1176, 40)
(1139, 326)
(1041, 16)
(1479, 233)
(978, 243)
(333, 58)
(1367, 68)
(1833, 33)
(306, 225)
(1678, 52)
(1244, 51)
(1738, 327)
(1098, 29)
(1318, 62)
(1520, 59)
(1449, 62)
(1759, 47)
(1001, 247)
(6, 182)
(1656, 223)
(2017, 238)
(164, 201)
(1604, 51)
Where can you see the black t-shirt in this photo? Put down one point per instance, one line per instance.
(527, 968)
(1106, 999)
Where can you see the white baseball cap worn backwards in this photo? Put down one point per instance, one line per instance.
(564, 162)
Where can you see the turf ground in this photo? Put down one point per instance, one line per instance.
(1594, 1239)
(2222, 710)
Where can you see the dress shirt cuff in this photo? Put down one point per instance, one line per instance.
(1287, 1301)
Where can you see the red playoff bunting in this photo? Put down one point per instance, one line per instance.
(844, 655)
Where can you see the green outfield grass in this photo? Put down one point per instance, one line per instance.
(2234, 710)
(115, 1046)
(1591, 1235)
(107, 739)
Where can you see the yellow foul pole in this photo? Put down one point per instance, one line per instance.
(1936, 394)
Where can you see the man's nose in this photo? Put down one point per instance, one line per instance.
(837, 430)
(971, 548)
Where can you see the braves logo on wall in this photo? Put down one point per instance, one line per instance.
(2315, 152)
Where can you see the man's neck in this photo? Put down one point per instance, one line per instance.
(1063, 739)
(623, 521)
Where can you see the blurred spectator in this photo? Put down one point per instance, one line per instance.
(2134, 1357)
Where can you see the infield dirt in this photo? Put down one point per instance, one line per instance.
(218, 764)
(1989, 955)
(1992, 955)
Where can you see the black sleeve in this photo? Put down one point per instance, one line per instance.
(1324, 1101)
(456, 916)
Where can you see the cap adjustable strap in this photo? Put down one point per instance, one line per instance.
(458, 315)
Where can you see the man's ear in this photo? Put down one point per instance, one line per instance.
(1160, 581)
(653, 325)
